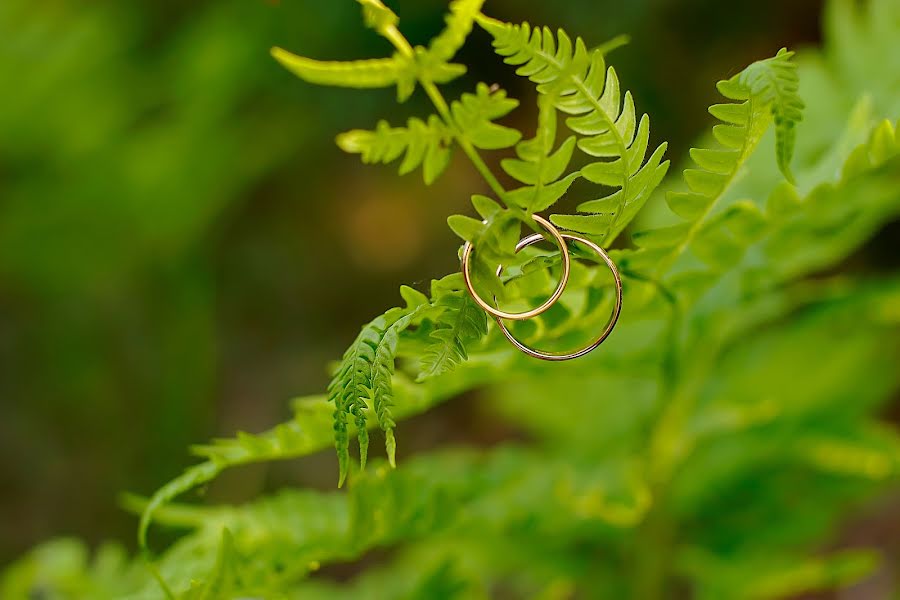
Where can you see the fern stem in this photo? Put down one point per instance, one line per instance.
(399, 41)
(440, 103)
(444, 110)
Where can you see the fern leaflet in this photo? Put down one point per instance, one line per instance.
(425, 144)
(372, 73)
(460, 322)
(742, 126)
(365, 376)
(459, 25)
(538, 166)
(474, 113)
(774, 82)
(580, 85)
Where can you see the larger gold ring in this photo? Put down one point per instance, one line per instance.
(500, 314)
(525, 242)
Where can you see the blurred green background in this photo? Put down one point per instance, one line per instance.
(183, 248)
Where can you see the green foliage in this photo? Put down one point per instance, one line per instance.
(374, 73)
(365, 377)
(763, 92)
(460, 323)
(459, 24)
(747, 364)
(425, 144)
(578, 83)
(773, 82)
(428, 144)
(474, 113)
(539, 166)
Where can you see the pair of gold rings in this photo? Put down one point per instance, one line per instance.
(500, 315)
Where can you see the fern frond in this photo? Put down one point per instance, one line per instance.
(348, 391)
(422, 144)
(460, 323)
(580, 85)
(365, 376)
(382, 375)
(538, 166)
(773, 82)
(757, 91)
(474, 115)
(476, 493)
(308, 432)
(379, 17)
(372, 73)
(428, 144)
(459, 25)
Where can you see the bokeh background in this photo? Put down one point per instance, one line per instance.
(183, 249)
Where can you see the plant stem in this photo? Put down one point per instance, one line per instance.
(403, 46)
(441, 104)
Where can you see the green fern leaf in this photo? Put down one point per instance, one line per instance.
(538, 166)
(459, 25)
(494, 235)
(763, 93)
(379, 17)
(775, 83)
(365, 377)
(349, 391)
(580, 85)
(422, 144)
(460, 323)
(382, 374)
(474, 113)
(404, 70)
(373, 73)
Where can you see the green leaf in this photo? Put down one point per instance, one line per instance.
(577, 82)
(474, 113)
(364, 380)
(424, 144)
(459, 25)
(775, 83)
(460, 323)
(664, 237)
(764, 92)
(465, 227)
(373, 73)
(539, 167)
(377, 16)
(688, 205)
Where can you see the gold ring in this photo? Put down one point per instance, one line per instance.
(612, 319)
(500, 314)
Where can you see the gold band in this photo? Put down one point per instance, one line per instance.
(500, 314)
(552, 356)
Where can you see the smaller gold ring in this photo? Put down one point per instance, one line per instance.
(500, 314)
(609, 325)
